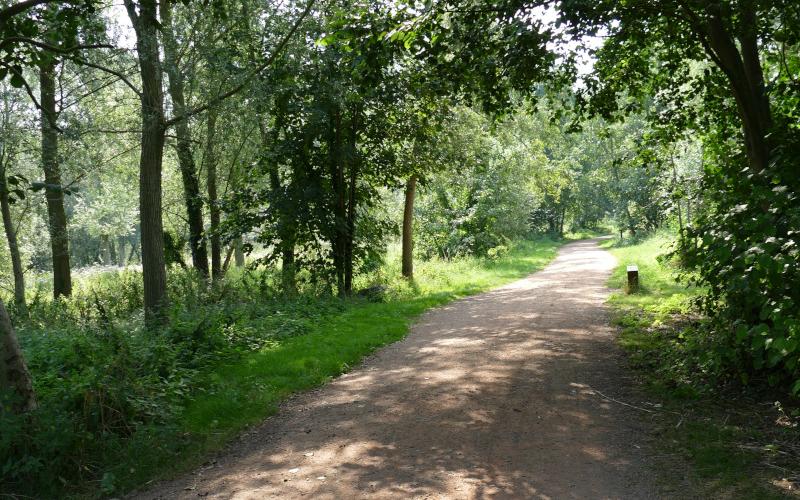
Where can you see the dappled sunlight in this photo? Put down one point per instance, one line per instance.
(491, 396)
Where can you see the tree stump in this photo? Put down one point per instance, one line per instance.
(633, 279)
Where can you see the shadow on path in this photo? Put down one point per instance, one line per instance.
(489, 397)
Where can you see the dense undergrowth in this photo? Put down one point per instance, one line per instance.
(733, 440)
(120, 405)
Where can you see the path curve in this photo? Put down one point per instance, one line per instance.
(492, 396)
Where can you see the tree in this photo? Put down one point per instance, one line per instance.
(12, 188)
(191, 185)
(728, 35)
(407, 257)
(54, 191)
(144, 17)
(14, 375)
(210, 159)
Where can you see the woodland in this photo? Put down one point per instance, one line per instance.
(187, 184)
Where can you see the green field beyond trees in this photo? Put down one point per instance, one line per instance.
(207, 206)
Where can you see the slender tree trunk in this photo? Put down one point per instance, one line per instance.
(191, 185)
(213, 206)
(238, 252)
(14, 374)
(151, 159)
(112, 247)
(354, 165)
(121, 258)
(408, 228)
(134, 252)
(339, 208)
(688, 211)
(288, 269)
(13, 247)
(57, 217)
(287, 228)
(678, 201)
(105, 250)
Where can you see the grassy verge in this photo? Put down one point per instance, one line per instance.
(727, 441)
(585, 234)
(238, 394)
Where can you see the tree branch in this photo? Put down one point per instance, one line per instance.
(237, 88)
(110, 71)
(52, 48)
(20, 7)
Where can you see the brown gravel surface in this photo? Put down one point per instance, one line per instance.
(500, 395)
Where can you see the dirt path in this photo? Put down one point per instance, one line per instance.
(492, 396)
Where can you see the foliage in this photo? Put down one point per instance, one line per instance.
(118, 403)
(746, 252)
(699, 416)
(724, 71)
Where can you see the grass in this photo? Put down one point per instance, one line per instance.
(725, 442)
(246, 391)
(584, 234)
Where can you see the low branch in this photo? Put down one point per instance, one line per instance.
(110, 71)
(49, 47)
(20, 7)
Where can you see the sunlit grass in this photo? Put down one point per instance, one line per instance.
(659, 291)
(692, 427)
(250, 389)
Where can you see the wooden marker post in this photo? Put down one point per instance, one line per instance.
(633, 279)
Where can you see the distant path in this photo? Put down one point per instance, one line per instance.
(489, 397)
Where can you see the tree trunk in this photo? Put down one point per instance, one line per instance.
(339, 207)
(213, 206)
(288, 270)
(105, 250)
(678, 200)
(112, 251)
(227, 259)
(287, 231)
(13, 247)
(742, 67)
(688, 211)
(353, 163)
(121, 252)
(408, 228)
(238, 252)
(191, 186)
(14, 374)
(151, 159)
(57, 217)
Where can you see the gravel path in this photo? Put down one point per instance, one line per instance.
(493, 396)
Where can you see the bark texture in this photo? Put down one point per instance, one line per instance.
(238, 252)
(742, 67)
(13, 247)
(154, 270)
(14, 374)
(191, 185)
(54, 193)
(213, 206)
(408, 228)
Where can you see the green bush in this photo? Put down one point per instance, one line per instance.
(745, 252)
(119, 405)
(102, 379)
